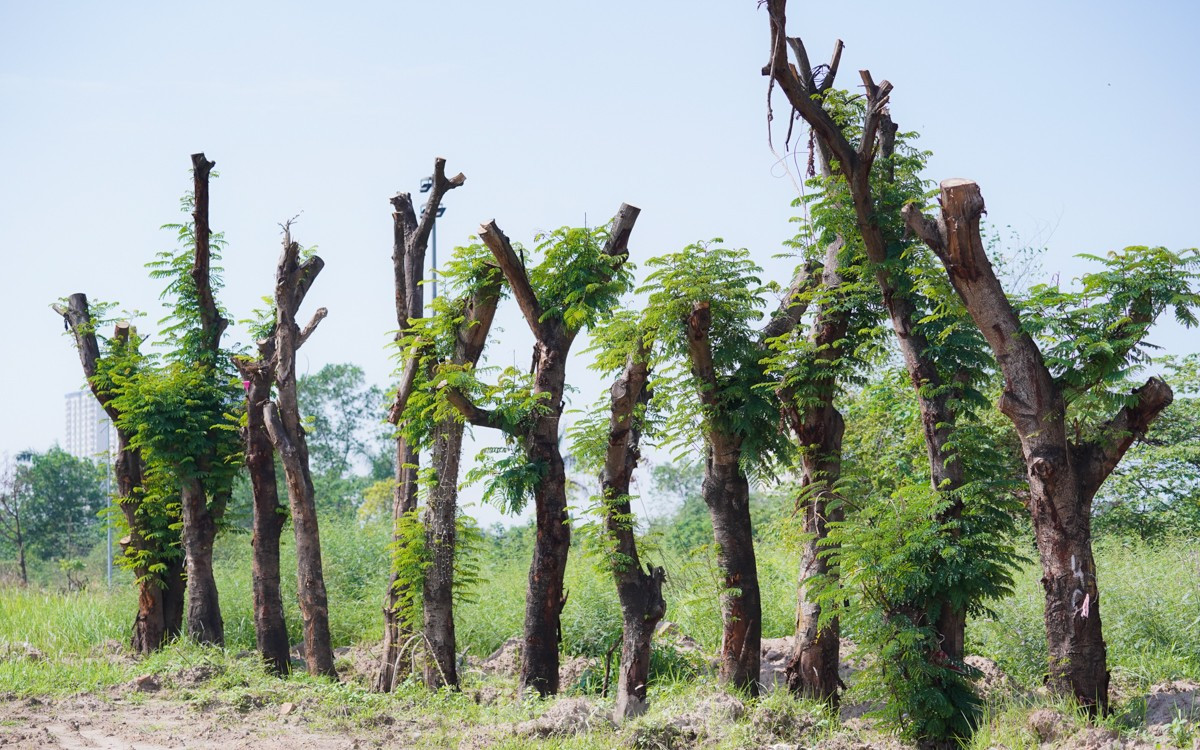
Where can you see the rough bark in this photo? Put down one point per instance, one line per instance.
(545, 596)
(201, 512)
(441, 516)
(410, 241)
(153, 621)
(726, 492)
(269, 515)
(1063, 475)
(812, 669)
(639, 591)
(204, 623)
(933, 399)
(287, 435)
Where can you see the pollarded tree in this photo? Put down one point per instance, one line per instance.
(1058, 353)
(177, 410)
(269, 515)
(708, 361)
(447, 344)
(609, 442)
(150, 547)
(293, 277)
(410, 240)
(859, 139)
(577, 283)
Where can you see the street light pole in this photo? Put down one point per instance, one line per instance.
(426, 186)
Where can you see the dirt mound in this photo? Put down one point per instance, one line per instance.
(775, 655)
(1170, 700)
(504, 661)
(993, 683)
(568, 716)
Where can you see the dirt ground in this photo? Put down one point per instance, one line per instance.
(151, 724)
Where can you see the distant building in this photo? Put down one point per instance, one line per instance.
(90, 433)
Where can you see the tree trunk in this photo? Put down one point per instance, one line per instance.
(1063, 476)
(410, 240)
(395, 632)
(204, 622)
(546, 596)
(640, 591)
(727, 494)
(270, 628)
(812, 670)
(287, 435)
(438, 596)
(160, 599)
(855, 164)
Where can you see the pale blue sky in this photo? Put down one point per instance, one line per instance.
(1077, 119)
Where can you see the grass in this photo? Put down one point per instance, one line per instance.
(1150, 604)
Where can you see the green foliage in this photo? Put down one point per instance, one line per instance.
(727, 281)
(1154, 493)
(411, 557)
(1093, 339)
(342, 422)
(63, 496)
(575, 280)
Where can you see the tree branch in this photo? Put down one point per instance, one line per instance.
(211, 320)
(622, 226)
(700, 351)
(518, 278)
(1097, 459)
(472, 413)
(793, 306)
(317, 317)
(441, 186)
(408, 381)
(799, 95)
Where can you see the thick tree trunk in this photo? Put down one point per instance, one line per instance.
(727, 494)
(160, 599)
(440, 537)
(270, 628)
(855, 164)
(204, 622)
(640, 591)
(812, 670)
(410, 240)
(1063, 476)
(545, 596)
(287, 435)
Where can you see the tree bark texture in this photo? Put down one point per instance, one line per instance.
(269, 515)
(726, 492)
(204, 623)
(410, 241)
(287, 435)
(1063, 475)
(545, 596)
(639, 591)
(442, 513)
(812, 669)
(154, 622)
(203, 507)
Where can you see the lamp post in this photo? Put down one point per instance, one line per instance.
(426, 186)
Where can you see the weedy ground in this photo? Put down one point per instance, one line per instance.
(67, 680)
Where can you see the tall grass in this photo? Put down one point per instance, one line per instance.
(1150, 600)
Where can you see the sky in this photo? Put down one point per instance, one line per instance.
(1076, 119)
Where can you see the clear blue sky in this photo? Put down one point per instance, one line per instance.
(1077, 119)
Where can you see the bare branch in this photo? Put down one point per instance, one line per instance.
(211, 321)
(317, 317)
(793, 306)
(1101, 456)
(700, 351)
(622, 226)
(514, 271)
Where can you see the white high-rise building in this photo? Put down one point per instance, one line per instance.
(90, 433)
